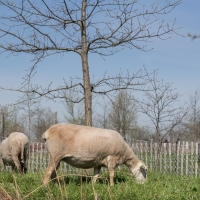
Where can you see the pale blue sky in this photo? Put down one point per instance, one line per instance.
(178, 61)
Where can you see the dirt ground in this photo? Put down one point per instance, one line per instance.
(4, 195)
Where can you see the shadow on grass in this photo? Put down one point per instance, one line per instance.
(103, 179)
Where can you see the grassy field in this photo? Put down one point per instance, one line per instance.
(74, 187)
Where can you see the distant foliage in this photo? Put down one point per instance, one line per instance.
(12, 120)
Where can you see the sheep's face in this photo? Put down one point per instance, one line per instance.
(140, 172)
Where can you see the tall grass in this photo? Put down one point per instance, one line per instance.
(75, 187)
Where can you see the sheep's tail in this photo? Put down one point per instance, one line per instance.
(22, 151)
(44, 135)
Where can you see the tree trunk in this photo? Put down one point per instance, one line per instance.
(85, 68)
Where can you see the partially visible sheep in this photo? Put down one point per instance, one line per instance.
(89, 147)
(13, 150)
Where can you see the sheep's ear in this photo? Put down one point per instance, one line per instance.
(142, 168)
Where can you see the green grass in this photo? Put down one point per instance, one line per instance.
(74, 187)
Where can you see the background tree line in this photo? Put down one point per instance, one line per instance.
(167, 116)
(121, 113)
(16, 118)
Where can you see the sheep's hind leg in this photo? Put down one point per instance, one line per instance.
(96, 174)
(54, 174)
(51, 170)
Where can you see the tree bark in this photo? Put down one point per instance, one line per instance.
(85, 68)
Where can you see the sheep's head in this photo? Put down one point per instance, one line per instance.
(140, 172)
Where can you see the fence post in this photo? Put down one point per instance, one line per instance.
(170, 158)
(186, 149)
(146, 153)
(40, 157)
(191, 159)
(151, 154)
(160, 156)
(141, 150)
(182, 156)
(197, 151)
(156, 161)
(177, 154)
(165, 162)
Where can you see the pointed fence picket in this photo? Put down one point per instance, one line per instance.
(175, 158)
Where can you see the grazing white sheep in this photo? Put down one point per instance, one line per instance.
(88, 147)
(13, 150)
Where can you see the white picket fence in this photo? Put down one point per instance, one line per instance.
(175, 158)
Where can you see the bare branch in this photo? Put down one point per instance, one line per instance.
(45, 28)
(161, 105)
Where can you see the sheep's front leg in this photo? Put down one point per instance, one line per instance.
(111, 169)
(17, 163)
(2, 164)
(96, 173)
(50, 171)
(111, 175)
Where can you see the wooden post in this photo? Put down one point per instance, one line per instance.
(141, 150)
(146, 154)
(32, 157)
(182, 156)
(186, 165)
(36, 156)
(137, 149)
(45, 156)
(177, 154)
(165, 161)
(155, 151)
(160, 156)
(170, 158)
(41, 156)
(191, 159)
(196, 160)
(151, 154)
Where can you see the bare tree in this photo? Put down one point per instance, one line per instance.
(84, 27)
(161, 105)
(142, 133)
(43, 119)
(101, 115)
(75, 112)
(120, 114)
(123, 115)
(12, 120)
(17, 119)
(192, 123)
(28, 112)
